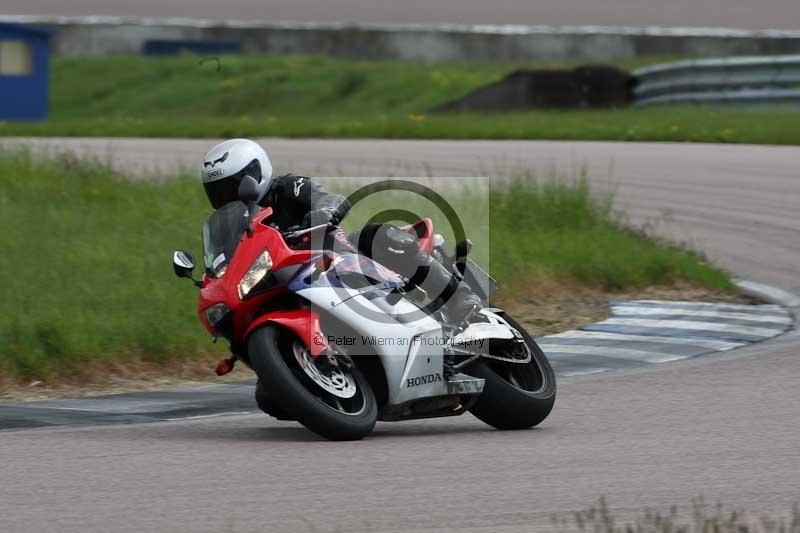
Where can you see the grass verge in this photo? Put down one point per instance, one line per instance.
(702, 518)
(87, 260)
(299, 96)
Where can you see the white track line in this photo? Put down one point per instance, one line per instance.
(612, 352)
(669, 303)
(29, 406)
(702, 343)
(214, 415)
(628, 310)
(585, 372)
(771, 293)
(691, 326)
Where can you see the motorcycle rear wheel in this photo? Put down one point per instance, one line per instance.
(515, 396)
(272, 355)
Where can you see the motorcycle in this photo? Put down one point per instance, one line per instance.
(336, 340)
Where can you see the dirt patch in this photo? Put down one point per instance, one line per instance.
(128, 376)
(543, 310)
(549, 309)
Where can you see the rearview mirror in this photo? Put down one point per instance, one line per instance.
(183, 264)
(248, 193)
(248, 190)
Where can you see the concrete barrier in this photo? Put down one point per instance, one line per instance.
(128, 35)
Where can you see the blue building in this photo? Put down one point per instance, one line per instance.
(24, 72)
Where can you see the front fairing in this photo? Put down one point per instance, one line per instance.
(225, 288)
(346, 276)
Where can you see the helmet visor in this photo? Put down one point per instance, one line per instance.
(221, 192)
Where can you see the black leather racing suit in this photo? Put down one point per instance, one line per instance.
(297, 200)
(293, 198)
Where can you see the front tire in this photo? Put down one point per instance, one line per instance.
(271, 405)
(515, 396)
(271, 355)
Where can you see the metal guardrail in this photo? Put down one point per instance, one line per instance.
(752, 81)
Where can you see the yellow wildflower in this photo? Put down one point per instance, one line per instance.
(230, 83)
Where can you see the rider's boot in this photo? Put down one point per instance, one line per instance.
(456, 297)
(462, 304)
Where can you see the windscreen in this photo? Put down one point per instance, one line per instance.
(221, 234)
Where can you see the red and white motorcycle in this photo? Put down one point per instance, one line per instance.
(336, 342)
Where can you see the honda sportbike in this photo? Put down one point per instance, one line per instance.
(337, 341)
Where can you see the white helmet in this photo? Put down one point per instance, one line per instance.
(227, 163)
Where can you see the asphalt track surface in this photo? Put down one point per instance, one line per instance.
(747, 14)
(722, 427)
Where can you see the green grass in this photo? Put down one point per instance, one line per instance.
(86, 259)
(561, 232)
(299, 96)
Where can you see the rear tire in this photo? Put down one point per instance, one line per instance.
(290, 391)
(515, 396)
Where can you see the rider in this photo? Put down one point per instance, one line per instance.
(297, 200)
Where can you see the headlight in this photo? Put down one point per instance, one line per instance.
(258, 270)
(216, 313)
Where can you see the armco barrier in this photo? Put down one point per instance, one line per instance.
(127, 35)
(765, 80)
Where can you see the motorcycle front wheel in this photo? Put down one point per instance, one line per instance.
(336, 403)
(515, 395)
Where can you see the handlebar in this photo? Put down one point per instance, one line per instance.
(295, 232)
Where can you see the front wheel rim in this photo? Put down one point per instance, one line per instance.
(333, 379)
(336, 387)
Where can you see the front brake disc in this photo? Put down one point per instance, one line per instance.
(334, 379)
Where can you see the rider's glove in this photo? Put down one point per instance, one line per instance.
(317, 217)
